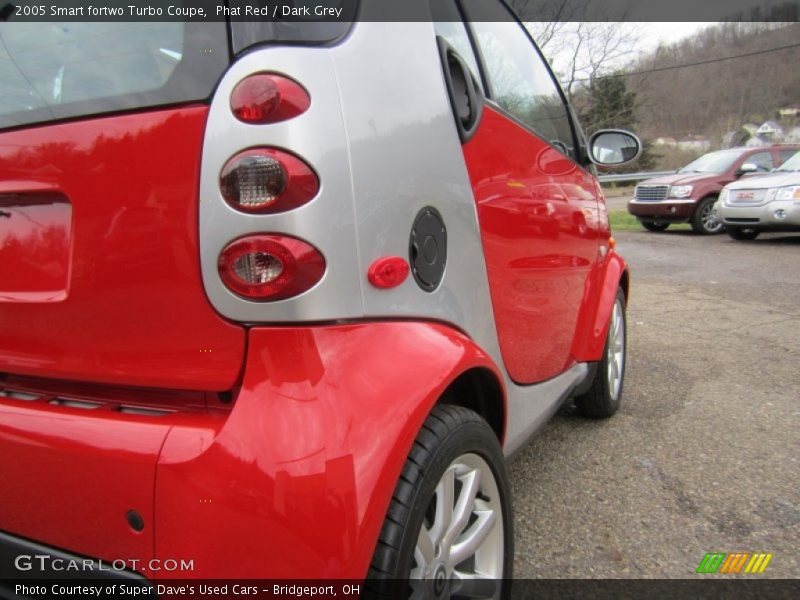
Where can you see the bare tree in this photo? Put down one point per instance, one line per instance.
(594, 50)
(549, 21)
(581, 41)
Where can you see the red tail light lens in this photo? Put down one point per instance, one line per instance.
(268, 98)
(270, 267)
(265, 180)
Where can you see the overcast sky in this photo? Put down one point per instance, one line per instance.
(667, 33)
(650, 35)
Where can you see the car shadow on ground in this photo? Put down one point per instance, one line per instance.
(781, 240)
(765, 239)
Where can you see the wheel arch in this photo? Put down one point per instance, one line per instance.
(712, 194)
(320, 430)
(590, 334)
(479, 390)
(624, 283)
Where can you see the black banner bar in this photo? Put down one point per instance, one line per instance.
(703, 587)
(298, 11)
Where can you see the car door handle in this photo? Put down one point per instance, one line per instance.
(466, 99)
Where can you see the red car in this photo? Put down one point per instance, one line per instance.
(689, 194)
(283, 313)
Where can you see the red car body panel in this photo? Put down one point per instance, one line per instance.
(112, 264)
(76, 472)
(540, 226)
(601, 293)
(299, 477)
(35, 253)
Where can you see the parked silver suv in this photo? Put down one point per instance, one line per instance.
(767, 203)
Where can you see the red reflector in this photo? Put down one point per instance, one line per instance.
(268, 98)
(265, 180)
(270, 267)
(388, 272)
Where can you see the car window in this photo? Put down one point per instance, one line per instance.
(762, 160)
(448, 25)
(713, 162)
(785, 155)
(792, 164)
(520, 81)
(60, 70)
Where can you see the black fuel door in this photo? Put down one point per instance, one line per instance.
(428, 249)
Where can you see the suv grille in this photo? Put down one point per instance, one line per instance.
(746, 197)
(651, 193)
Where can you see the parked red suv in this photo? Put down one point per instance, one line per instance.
(283, 314)
(690, 194)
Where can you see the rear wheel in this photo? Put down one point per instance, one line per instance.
(742, 233)
(704, 220)
(603, 398)
(654, 225)
(448, 530)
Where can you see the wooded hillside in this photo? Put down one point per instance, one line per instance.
(711, 99)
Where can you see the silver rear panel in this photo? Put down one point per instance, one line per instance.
(381, 136)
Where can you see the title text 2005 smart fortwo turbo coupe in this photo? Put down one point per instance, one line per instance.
(284, 311)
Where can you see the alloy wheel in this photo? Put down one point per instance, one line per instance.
(460, 545)
(616, 351)
(709, 219)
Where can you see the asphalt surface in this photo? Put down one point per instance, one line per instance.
(703, 454)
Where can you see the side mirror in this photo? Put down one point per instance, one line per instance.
(747, 168)
(613, 147)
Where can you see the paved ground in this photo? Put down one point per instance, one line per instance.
(703, 455)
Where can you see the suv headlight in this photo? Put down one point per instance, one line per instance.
(786, 193)
(723, 195)
(680, 191)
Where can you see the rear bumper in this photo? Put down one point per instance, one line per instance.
(764, 217)
(665, 210)
(23, 562)
(292, 483)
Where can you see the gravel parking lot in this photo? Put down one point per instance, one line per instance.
(702, 456)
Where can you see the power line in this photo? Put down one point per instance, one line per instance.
(694, 64)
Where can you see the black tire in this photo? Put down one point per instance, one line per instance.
(742, 234)
(654, 226)
(701, 218)
(601, 401)
(449, 434)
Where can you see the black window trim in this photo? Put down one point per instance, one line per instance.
(476, 51)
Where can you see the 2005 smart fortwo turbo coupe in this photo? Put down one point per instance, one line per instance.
(284, 310)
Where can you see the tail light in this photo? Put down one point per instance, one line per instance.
(268, 98)
(265, 267)
(266, 180)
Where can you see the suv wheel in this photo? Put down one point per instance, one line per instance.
(602, 399)
(704, 220)
(742, 233)
(654, 225)
(448, 530)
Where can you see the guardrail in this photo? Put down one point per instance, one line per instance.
(622, 177)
